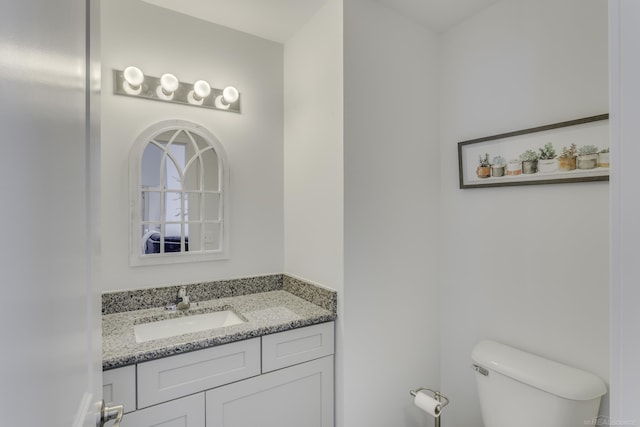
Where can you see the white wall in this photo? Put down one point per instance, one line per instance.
(313, 166)
(391, 216)
(524, 265)
(625, 297)
(158, 41)
(313, 161)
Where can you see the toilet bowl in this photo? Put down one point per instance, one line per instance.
(520, 389)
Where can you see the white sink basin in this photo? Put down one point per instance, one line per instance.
(185, 325)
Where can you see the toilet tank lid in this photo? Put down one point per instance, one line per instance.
(547, 375)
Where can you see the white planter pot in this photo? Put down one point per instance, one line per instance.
(587, 161)
(547, 165)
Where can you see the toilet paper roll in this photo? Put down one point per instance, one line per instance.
(428, 404)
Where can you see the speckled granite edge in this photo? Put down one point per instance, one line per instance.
(202, 344)
(265, 313)
(323, 297)
(140, 299)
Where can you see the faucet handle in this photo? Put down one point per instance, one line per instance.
(183, 299)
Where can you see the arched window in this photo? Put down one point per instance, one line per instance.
(179, 195)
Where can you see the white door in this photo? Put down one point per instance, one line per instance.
(624, 44)
(49, 314)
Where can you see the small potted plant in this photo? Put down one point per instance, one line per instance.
(514, 167)
(567, 160)
(498, 166)
(529, 161)
(587, 157)
(547, 159)
(603, 158)
(484, 167)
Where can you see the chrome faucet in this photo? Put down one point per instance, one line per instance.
(182, 302)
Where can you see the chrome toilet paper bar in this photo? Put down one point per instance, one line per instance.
(438, 397)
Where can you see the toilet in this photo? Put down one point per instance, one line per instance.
(520, 389)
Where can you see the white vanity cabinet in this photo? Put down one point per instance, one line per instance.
(283, 379)
(294, 390)
(298, 396)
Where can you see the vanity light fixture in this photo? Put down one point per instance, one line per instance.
(167, 88)
(133, 78)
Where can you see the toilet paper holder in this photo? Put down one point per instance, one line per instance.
(436, 395)
(444, 400)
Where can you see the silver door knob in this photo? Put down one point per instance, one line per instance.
(108, 413)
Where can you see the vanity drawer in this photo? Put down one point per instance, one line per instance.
(119, 387)
(172, 377)
(296, 346)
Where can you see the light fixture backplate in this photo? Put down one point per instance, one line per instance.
(181, 96)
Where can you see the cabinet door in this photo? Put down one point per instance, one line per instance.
(119, 387)
(299, 396)
(185, 412)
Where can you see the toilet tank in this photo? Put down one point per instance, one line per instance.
(521, 389)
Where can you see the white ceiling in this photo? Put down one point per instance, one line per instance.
(278, 20)
(439, 15)
(275, 20)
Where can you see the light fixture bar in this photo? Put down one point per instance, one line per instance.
(184, 94)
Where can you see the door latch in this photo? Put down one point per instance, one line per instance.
(108, 413)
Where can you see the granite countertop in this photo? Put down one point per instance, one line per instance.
(265, 313)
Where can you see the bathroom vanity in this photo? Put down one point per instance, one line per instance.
(273, 369)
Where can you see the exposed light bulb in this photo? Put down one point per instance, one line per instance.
(230, 95)
(201, 89)
(133, 78)
(168, 85)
